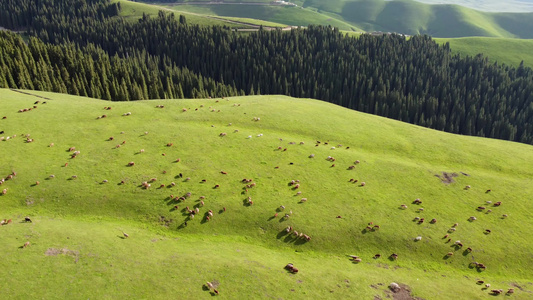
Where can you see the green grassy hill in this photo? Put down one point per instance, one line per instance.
(402, 16)
(411, 17)
(501, 50)
(78, 222)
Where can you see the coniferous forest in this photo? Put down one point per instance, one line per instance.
(83, 47)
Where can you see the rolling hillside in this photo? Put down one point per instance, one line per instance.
(507, 51)
(489, 5)
(401, 16)
(510, 51)
(81, 204)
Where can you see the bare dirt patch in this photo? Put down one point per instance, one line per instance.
(446, 177)
(403, 293)
(64, 251)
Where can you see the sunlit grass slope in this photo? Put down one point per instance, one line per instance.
(78, 222)
(508, 51)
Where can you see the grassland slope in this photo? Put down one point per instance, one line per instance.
(205, 148)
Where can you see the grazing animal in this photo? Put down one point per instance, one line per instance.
(303, 200)
(487, 231)
(433, 221)
(394, 256)
(480, 282)
(472, 218)
(469, 249)
(377, 256)
(480, 208)
(496, 292)
(510, 291)
(421, 221)
(446, 236)
(467, 187)
(403, 206)
(363, 183)
(131, 164)
(27, 244)
(449, 254)
(4, 191)
(498, 203)
(417, 201)
(291, 268)
(27, 219)
(125, 235)
(488, 191)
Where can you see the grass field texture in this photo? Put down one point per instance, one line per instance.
(78, 222)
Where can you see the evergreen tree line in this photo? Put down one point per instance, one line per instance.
(27, 14)
(414, 80)
(91, 72)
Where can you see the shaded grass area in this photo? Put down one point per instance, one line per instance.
(398, 163)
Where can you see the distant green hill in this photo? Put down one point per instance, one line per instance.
(402, 16)
(411, 17)
(501, 50)
(81, 205)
